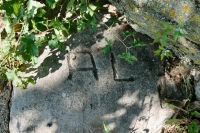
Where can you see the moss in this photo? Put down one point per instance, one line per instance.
(172, 13)
(196, 18)
(192, 50)
(186, 8)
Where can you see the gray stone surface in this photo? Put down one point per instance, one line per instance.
(197, 91)
(77, 90)
(5, 96)
(146, 16)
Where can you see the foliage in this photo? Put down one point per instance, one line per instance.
(162, 36)
(28, 26)
(186, 113)
(125, 55)
(105, 128)
(128, 57)
(185, 123)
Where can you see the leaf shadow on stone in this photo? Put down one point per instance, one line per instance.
(81, 104)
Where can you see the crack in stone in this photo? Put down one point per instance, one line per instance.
(113, 61)
(10, 85)
(93, 69)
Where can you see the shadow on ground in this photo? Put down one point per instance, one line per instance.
(59, 104)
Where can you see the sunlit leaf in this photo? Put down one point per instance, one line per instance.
(16, 8)
(183, 32)
(93, 7)
(7, 24)
(32, 6)
(51, 3)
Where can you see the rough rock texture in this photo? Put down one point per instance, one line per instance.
(146, 16)
(78, 90)
(5, 94)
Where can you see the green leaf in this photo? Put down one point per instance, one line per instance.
(7, 24)
(172, 121)
(31, 80)
(166, 24)
(34, 60)
(81, 25)
(26, 27)
(176, 34)
(170, 27)
(180, 25)
(93, 24)
(195, 113)
(167, 53)
(41, 27)
(113, 20)
(162, 56)
(136, 42)
(57, 24)
(53, 43)
(183, 32)
(157, 34)
(32, 7)
(165, 32)
(109, 42)
(72, 28)
(157, 52)
(16, 8)
(128, 57)
(163, 41)
(193, 128)
(70, 4)
(28, 47)
(51, 3)
(93, 7)
(11, 74)
(106, 49)
(128, 33)
(83, 7)
(6, 48)
(161, 47)
(41, 13)
(105, 128)
(21, 13)
(156, 40)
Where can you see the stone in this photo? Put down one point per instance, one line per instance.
(197, 91)
(57, 103)
(147, 17)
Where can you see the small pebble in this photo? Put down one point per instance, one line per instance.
(63, 94)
